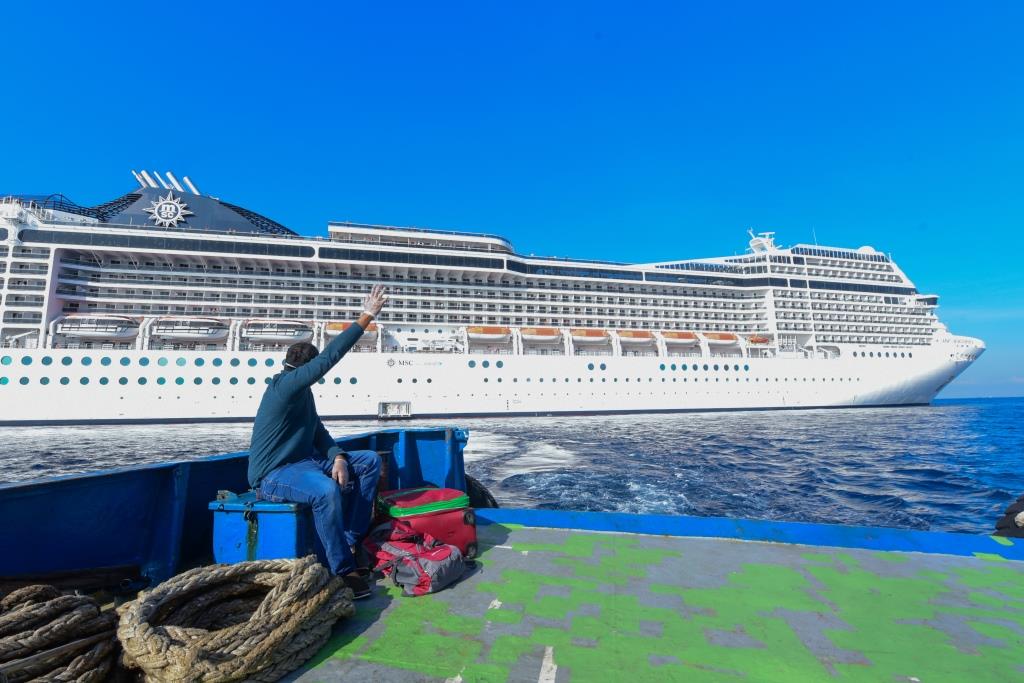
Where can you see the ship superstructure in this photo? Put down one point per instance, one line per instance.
(167, 304)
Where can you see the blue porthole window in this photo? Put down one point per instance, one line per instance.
(84, 380)
(746, 368)
(197, 380)
(590, 366)
(673, 366)
(26, 360)
(662, 366)
(337, 380)
(122, 381)
(24, 380)
(161, 362)
(252, 362)
(235, 362)
(251, 380)
(472, 363)
(269, 362)
(103, 380)
(683, 367)
(142, 380)
(105, 360)
(180, 362)
(736, 368)
(126, 361)
(716, 366)
(143, 362)
(66, 360)
(200, 362)
(603, 366)
(65, 380)
(179, 380)
(234, 380)
(217, 362)
(42, 380)
(4, 380)
(706, 366)
(6, 360)
(86, 360)
(352, 380)
(46, 360)
(486, 364)
(161, 381)
(500, 364)
(215, 380)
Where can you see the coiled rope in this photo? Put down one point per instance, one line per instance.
(48, 636)
(253, 621)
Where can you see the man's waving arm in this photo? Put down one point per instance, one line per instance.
(308, 374)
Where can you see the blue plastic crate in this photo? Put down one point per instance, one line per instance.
(247, 529)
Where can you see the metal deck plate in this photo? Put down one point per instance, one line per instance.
(565, 605)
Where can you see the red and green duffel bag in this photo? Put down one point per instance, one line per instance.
(442, 513)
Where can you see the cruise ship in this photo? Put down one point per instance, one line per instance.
(166, 305)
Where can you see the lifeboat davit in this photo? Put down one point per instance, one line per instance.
(758, 340)
(488, 333)
(277, 331)
(190, 329)
(98, 327)
(588, 336)
(635, 337)
(679, 338)
(545, 335)
(334, 329)
(721, 338)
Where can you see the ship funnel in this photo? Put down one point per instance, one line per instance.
(174, 182)
(188, 183)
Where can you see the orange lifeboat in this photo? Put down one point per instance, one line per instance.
(488, 333)
(758, 340)
(540, 334)
(588, 336)
(635, 337)
(680, 338)
(720, 338)
(334, 329)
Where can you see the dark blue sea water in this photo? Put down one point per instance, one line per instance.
(953, 466)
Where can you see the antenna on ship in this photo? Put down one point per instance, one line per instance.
(189, 184)
(174, 181)
(161, 180)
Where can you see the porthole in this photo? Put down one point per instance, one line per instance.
(103, 380)
(590, 366)
(736, 368)
(83, 380)
(159, 380)
(251, 380)
(122, 381)
(6, 360)
(65, 380)
(200, 362)
(706, 366)
(500, 364)
(472, 363)
(66, 360)
(485, 379)
(414, 380)
(26, 360)
(337, 380)
(662, 366)
(716, 367)
(180, 362)
(86, 360)
(746, 368)
(603, 366)
(352, 380)
(160, 361)
(24, 380)
(142, 380)
(400, 380)
(910, 355)
(46, 360)
(252, 362)
(486, 364)
(44, 380)
(430, 380)
(269, 362)
(233, 380)
(144, 361)
(319, 381)
(179, 380)
(197, 380)
(235, 362)
(126, 361)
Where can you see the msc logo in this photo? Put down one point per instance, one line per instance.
(168, 211)
(391, 362)
(404, 363)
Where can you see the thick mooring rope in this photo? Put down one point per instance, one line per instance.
(253, 621)
(48, 636)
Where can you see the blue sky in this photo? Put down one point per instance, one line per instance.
(629, 131)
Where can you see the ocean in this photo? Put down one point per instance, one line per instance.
(951, 466)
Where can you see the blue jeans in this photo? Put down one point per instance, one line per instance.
(341, 515)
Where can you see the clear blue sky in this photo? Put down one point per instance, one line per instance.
(633, 131)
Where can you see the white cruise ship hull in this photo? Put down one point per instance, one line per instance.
(444, 384)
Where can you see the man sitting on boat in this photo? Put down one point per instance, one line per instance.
(292, 457)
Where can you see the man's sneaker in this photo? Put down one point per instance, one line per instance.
(360, 588)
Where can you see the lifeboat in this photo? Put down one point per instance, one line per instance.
(758, 340)
(635, 337)
(334, 329)
(488, 333)
(190, 329)
(277, 331)
(98, 327)
(720, 338)
(540, 334)
(679, 338)
(588, 336)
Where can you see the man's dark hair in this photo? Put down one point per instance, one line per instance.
(299, 354)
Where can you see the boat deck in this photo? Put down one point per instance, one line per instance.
(563, 604)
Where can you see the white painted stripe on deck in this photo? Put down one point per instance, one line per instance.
(495, 604)
(548, 669)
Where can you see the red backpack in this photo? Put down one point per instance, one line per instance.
(416, 561)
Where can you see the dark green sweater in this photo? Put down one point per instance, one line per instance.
(287, 427)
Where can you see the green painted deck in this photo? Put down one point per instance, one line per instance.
(562, 605)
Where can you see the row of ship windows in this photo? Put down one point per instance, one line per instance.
(144, 361)
(161, 380)
(879, 354)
